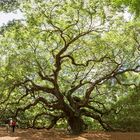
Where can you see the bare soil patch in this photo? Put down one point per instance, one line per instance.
(33, 134)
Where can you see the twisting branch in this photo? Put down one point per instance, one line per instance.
(136, 69)
(54, 121)
(35, 87)
(73, 24)
(45, 77)
(16, 84)
(16, 103)
(72, 90)
(96, 110)
(87, 62)
(37, 116)
(98, 118)
(93, 85)
(40, 99)
(124, 84)
(113, 73)
(100, 104)
(9, 93)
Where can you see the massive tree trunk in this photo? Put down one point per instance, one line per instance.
(76, 124)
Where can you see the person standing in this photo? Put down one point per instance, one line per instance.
(13, 125)
(10, 122)
(7, 125)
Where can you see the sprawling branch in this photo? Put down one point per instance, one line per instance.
(87, 62)
(100, 104)
(101, 112)
(18, 101)
(40, 99)
(9, 93)
(98, 118)
(72, 90)
(124, 84)
(11, 89)
(36, 87)
(93, 85)
(136, 69)
(45, 77)
(66, 45)
(53, 122)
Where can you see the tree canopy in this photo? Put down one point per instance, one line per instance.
(132, 5)
(68, 60)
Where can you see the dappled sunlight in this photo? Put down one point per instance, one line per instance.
(76, 138)
(9, 138)
(44, 134)
(69, 70)
(97, 136)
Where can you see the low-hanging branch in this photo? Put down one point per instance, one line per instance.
(40, 99)
(98, 118)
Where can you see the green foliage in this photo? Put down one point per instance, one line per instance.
(73, 58)
(133, 5)
(9, 5)
(127, 115)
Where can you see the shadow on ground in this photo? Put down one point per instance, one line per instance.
(33, 134)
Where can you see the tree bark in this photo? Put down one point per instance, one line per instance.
(76, 124)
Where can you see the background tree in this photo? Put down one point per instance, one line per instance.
(68, 60)
(9, 5)
(132, 5)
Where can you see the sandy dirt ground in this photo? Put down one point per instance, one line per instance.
(32, 134)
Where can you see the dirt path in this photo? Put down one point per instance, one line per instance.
(32, 134)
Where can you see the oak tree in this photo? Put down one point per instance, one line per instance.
(66, 58)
